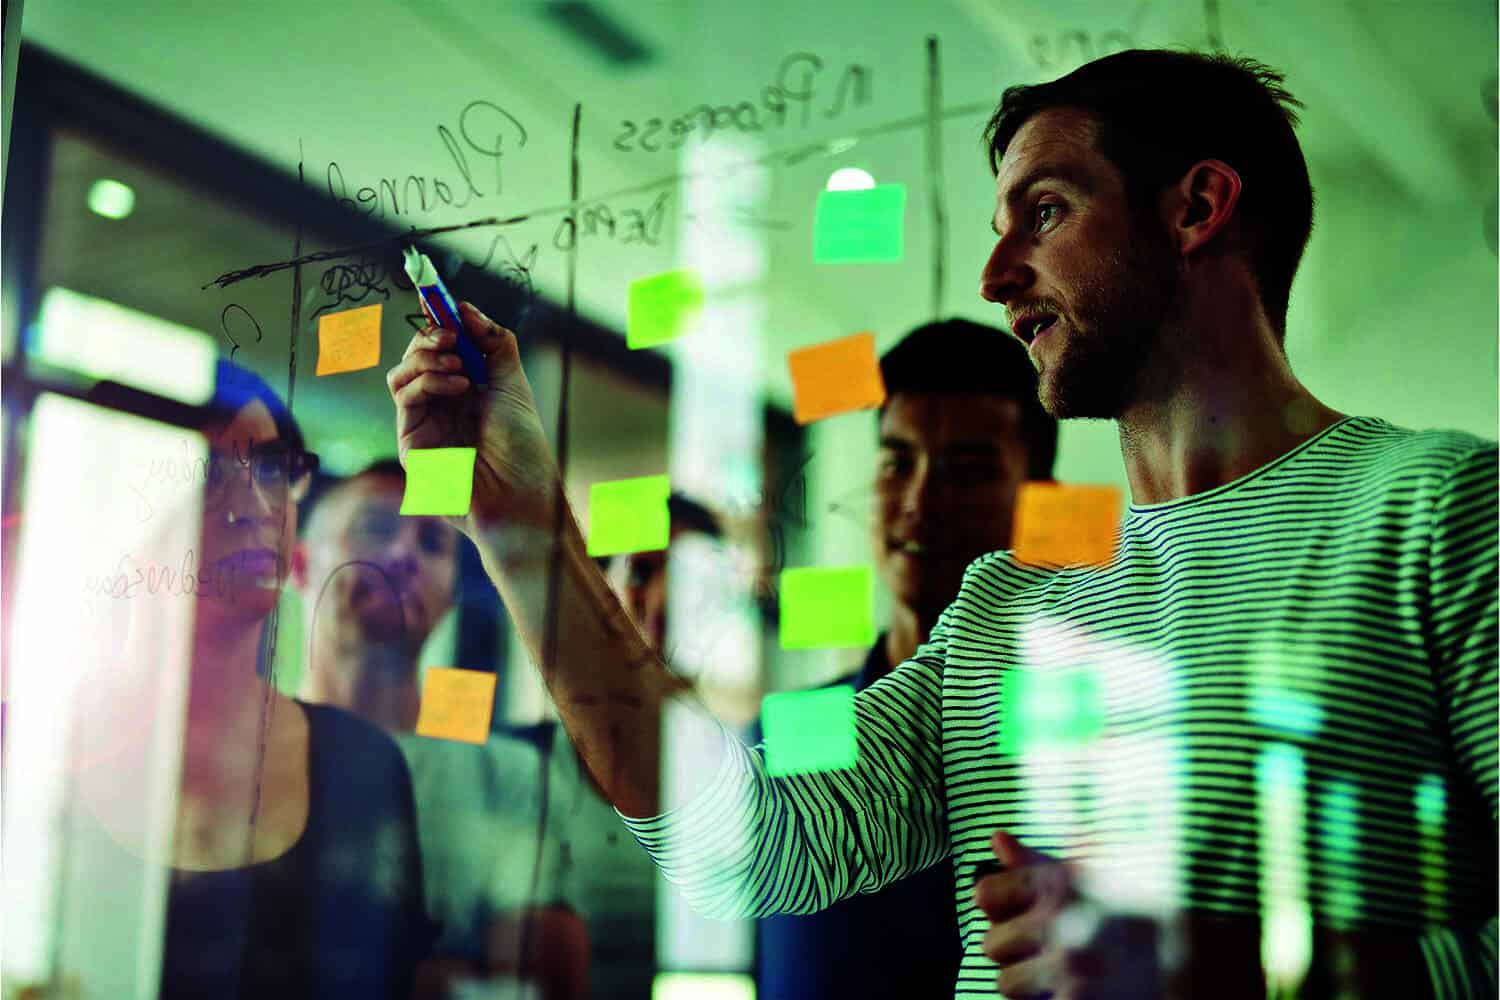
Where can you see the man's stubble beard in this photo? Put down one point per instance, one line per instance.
(1105, 367)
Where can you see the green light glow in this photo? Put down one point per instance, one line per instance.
(1286, 941)
(1338, 829)
(1289, 711)
(702, 986)
(111, 199)
(1430, 799)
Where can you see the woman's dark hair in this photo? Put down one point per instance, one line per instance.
(235, 387)
(958, 356)
(1159, 111)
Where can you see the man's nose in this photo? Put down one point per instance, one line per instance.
(401, 560)
(1004, 274)
(916, 498)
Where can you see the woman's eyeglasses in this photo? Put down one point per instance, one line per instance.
(279, 471)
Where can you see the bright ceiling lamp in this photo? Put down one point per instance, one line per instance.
(111, 199)
(850, 179)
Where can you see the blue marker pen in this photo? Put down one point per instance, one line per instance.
(442, 308)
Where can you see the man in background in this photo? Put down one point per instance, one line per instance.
(615, 880)
(960, 431)
(374, 585)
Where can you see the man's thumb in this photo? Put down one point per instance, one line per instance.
(1008, 849)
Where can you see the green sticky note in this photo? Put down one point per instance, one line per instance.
(438, 481)
(864, 226)
(827, 607)
(1048, 708)
(629, 515)
(808, 731)
(662, 308)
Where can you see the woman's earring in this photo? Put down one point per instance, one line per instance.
(229, 516)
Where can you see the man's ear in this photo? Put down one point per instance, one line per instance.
(299, 565)
(1206, 200)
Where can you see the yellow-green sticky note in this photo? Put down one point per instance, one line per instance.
(662, 308)
(807, 731)
(860, 227)
(438, 481)
(827, 607)
(629, 515)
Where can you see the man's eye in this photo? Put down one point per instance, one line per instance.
(971, 473)
(375, 527)
(1044, 207)
(434, 539)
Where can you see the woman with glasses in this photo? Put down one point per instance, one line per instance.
(294, 866)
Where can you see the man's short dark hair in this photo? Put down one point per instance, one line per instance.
(687, 514)
(324, 485)
(1159, 111)
(957, 356)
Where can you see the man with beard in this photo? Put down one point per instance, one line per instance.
(959, 432)
(1264, 733)
(374, 586)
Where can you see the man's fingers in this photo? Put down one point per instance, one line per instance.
(1006, 895)
(494, 341)
(430, 338)
(419, 362)
(1033, 979)
(1008, 942)
(414, 393)
(1014, 854)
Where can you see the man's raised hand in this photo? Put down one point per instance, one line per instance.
(515, 478)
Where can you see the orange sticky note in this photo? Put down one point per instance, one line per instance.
(349, 341)
(456, 704)
(1065, 525)
(835, 377)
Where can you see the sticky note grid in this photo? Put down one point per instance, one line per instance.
(629, 515)
(1048, 709)
(439, 481)
(456, 704)
(835, 377)
(827, 607)
(858, 227)
(662, 308)
(1064, 525)
(349, 341)
(807, 731)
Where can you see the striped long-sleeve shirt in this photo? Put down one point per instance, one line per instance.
(1281, 689)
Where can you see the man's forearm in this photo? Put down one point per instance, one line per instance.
(609, 685)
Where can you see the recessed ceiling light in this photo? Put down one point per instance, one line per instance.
(850, 179)
(111, 199)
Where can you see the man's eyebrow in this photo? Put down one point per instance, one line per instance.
(983, 448)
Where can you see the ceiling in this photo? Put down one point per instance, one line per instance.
(1399, 131)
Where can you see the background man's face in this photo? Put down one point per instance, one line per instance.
(377, 558)
(945, 490)
(645, 591)
(1075, 249)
